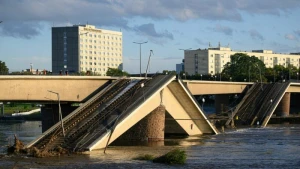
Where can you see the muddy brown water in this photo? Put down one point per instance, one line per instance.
(276, 146)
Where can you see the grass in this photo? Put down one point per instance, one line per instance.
(175, 156)
(18, 107)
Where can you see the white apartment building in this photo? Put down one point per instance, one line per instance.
(82, 48)
(212, 60)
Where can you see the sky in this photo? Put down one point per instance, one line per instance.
(167, 25)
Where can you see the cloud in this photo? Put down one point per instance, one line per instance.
(290, 37)
(149, 30)
(255, 35)
(284, 48)
(297, 32)
(23, 30)
(223, 29)
(118, 13)
(200, 42)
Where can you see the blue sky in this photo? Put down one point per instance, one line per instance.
(167, 25)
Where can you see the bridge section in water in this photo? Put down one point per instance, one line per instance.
(120, 105)
(259, 104)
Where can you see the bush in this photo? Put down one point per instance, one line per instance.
(175, 156)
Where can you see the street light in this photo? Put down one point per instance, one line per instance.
(297, 76)
(151, 51)
(59, 110)
(201, 76)
(140, 43)
(249, 73)
(203, 101)
(260, 76)
(184, 75)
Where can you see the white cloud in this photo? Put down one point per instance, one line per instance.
(255, 34)
(290, 37)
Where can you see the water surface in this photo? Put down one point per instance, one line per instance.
(275, 146)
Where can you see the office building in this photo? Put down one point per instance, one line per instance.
(212, 60)
(180, 67)
(85, 48)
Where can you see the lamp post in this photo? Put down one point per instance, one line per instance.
(140, 43)
(151, 51)
(203, 101)
(249, 73)
(201, 76)
(184, 75)
(260, 76)
(59, 110)
(297, 76)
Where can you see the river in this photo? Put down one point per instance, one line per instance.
(276, 146)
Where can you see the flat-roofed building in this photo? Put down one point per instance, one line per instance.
(212, 60)
(83, 48)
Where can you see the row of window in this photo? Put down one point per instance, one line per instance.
(100, 36)
(100, 53)
(99, 64)
(99, 47)
(99, 58)
(91, 69)
(103, 42)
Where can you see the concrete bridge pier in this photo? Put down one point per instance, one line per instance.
(283, 108)
(150, 128)
(221, 103)
(50, 114)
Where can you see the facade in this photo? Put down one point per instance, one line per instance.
(180, 67)
(212, 60)
(84, 48)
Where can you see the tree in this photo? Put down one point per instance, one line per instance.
(242, 67)
(3, 68)
(116, 72)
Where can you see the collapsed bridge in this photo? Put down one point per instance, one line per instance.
(120, 106)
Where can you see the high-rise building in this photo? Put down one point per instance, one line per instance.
(84, 48)
(212, 60)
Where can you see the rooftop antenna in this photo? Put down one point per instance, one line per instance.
(209, 44)
(219, 44)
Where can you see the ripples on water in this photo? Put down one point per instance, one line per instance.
(270, 147)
